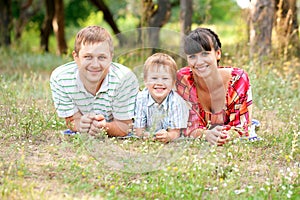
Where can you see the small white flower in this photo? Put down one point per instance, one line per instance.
(283, 187)
(239, 191)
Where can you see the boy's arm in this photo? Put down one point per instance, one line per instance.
(167, 136)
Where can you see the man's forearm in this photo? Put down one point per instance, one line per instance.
(118, 128)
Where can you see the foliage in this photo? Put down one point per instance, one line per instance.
(77, 10)
(38, 162)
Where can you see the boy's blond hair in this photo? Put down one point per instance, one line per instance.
(92, 35)
(159, 60)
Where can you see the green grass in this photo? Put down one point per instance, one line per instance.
(37, 162)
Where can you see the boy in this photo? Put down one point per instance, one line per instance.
(159, 109)
(93, 93)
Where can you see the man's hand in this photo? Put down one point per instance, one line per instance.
(97, 125)
(85, 122)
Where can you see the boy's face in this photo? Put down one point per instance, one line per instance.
(93, 62)
(159, 83)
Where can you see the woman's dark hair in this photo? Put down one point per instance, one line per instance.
(201, 39)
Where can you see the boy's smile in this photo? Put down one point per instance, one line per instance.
(159, 84)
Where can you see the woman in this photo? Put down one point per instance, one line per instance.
(220, 98)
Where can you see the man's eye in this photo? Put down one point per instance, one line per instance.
(102, 57)
(88, 57)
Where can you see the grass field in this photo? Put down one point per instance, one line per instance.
(38, 162)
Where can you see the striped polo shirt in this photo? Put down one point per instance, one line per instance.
(171, 113)
(115, 98)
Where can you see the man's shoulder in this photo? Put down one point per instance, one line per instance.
(119, 70)
(65, 71)
(119, 67)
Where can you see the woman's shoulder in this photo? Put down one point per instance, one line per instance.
(184, 71)
(236, 73)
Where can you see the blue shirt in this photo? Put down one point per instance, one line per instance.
(172, 113)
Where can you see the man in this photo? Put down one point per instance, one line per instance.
(93, 93)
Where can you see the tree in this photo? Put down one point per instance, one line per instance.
(58, 24)
(109, 18)
(28, 9)
(186, 14)
(261, 24)
(286, 27)
(5, 22)
(155, 16)
(54, 20)
(47, 25)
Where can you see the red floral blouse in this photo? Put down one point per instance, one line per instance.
(236, 112)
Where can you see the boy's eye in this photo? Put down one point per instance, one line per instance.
(192, 56)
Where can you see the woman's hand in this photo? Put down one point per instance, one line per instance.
(216, 136)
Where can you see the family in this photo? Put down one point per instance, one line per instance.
(201, 100)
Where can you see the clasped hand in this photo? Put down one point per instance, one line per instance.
(92, 124)
(217, 136)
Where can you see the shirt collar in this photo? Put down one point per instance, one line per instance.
(164, 104)
(104, 87)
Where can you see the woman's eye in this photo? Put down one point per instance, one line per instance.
(204, 53)
(165, 78)
(192, 56)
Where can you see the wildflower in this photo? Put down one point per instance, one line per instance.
(239, 191)
(112, 187)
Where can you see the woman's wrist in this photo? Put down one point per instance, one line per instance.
(198, 133)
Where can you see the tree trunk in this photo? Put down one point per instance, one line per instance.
(58, 24)
(261, 21)
(47, 25)
(157, 16)
(186, 13)
(27, 11)
(5, 22)
(108, 17)
(286, 26)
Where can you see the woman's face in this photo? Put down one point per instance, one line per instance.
(204, 63)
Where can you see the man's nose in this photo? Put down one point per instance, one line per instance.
(95, 62)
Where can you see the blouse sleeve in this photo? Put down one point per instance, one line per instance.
(239, 104)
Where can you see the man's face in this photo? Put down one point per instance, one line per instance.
(159, 84)
(93, 62)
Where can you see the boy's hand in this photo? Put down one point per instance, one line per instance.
(162, 136)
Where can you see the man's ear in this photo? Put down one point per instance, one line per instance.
(74, 54)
